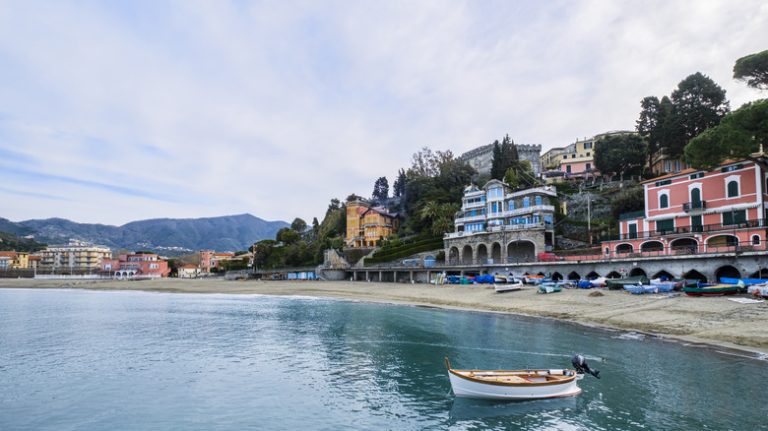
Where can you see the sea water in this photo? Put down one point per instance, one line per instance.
(99, 360)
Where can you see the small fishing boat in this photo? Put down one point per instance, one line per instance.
(550, 287)
(485, 279)
(746, 281)
(758, 290)
(711, 290)
(533, 279)
(518, 384)
(665, 286)
(617, 284)
(509, 287)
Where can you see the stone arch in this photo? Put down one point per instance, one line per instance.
(556, 276)
(722, 241)
(760, 273)
(453, 256)
(655, 246)
(482, 254)
(592, 275)
(756, 239)
(726, 271)
(624, 248)
(496, 252)
(684, 245)
(637, 272)
(574, 276)
(521, 251)
(466, 255)
(695, 275)
(663, 273)
(613, 274)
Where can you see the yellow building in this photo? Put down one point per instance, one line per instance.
(14, 260)
(75, 255)
(366, 225)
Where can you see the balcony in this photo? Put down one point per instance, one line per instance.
(687, 230)
(693, 206)
(480, 217)
(528, 210)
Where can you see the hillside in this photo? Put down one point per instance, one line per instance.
(168, 236)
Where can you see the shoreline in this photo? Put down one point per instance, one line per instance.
(702, 322)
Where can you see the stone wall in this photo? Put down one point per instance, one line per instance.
(495, 247)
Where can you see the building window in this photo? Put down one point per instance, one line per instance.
(547, 219)
(755, 239)
(733, 189)
(663, 226)
(664, 201)
(632, 231)
(587, 154)
(537, 199)
(568, 168)
(587, 146)
(511, 205)
(526, 202)
(695, 198)
(589, 165)
(734, 217)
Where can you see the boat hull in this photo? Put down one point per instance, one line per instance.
(509, 287)
(465, 388)
(711, 291)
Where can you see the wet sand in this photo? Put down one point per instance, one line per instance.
(715, 321)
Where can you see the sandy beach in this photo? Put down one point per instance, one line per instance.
(716, 321)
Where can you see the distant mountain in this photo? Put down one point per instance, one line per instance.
(167, 236)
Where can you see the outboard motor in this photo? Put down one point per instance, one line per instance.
(581, 367)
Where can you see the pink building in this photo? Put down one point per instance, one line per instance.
(695, 211)
(136, 265)
(209, 259)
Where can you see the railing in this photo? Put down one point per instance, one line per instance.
(695, 205)
(688, 229)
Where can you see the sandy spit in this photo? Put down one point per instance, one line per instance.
(714, 321)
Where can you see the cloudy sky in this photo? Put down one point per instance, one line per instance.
(118, 111)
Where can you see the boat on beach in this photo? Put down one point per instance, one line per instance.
(758, 290)
(509, 286)
(634, 289)
(550, 287)
(513, 384)
(711, 290)
(617, 284)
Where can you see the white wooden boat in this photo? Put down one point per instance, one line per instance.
(513, 384)
(509, 286)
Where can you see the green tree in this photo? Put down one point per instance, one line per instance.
(287, 235)
(315, 227)
(698, 103)
(753, 69)
(299, 225)
(381, 189)
(621, 154)
(398, 188)
(739, 134)
(504, 156)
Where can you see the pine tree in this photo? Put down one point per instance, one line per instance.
(398, 189)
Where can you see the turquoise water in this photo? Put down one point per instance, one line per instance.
(85, 360)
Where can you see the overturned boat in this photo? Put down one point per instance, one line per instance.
(518, 384)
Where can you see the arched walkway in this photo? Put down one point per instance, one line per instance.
(453, 256)
(624, 249)
(613, 274)
(695, 275)
(651, 246)
(556, 276)
(574, 276)
(496, 252)
(760, 273)
(684, 245)
(482, 254)
(663, 274)
(722, 242)
(636, 272)
(466, 255)
(521, 251)
(592, 275)
(726, 271)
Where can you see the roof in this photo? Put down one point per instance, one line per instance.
(690, 171)
(7, 254)
(189, 266)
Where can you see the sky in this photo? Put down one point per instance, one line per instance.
(119, 111)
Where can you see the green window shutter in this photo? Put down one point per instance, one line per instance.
(740, 216)
(728, 218)
(733, 189)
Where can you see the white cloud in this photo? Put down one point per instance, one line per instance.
(209, 108)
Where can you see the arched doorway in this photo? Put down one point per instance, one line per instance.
(521, 251)
(482, 254)
(466, 255)
(496, 252)
(695, 275)
(760, 273)
(726, 271)
(637, 272)
(453, 256)
(684, 245)
(613, 274)
(651, 246)
(663, 274)
(624, 249)
(556, 276)
(592, 275)
(722, 243)
(574, 276)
